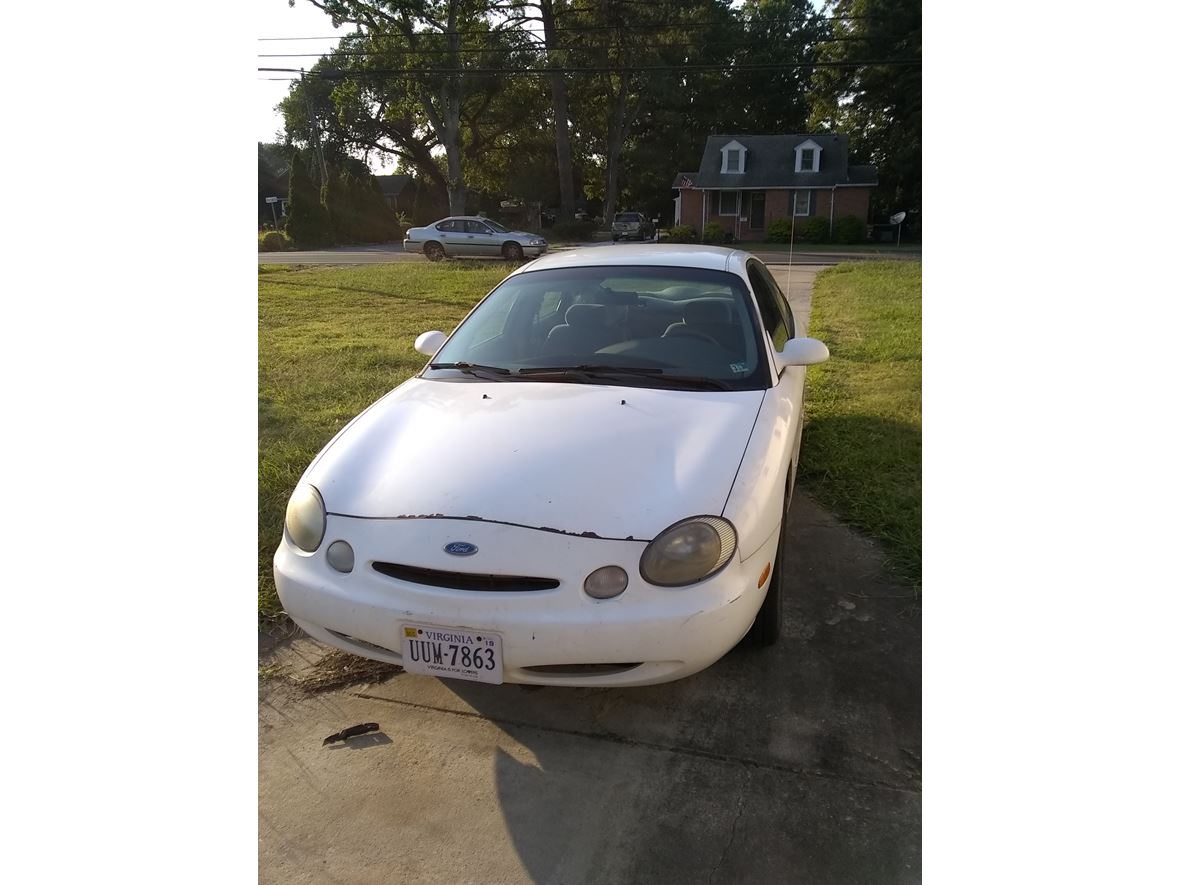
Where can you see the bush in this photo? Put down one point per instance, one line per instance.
(573, 230)
(714, 233)
(779, 231)
(273, 241)
(850, 229)
(681, 233)
(812, 230)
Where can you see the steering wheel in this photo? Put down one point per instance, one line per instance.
(685, 332)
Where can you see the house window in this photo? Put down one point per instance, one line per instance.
(807, 159)
(733, 159)
(729, 203)
(802, 202)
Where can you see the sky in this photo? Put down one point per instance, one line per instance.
(274, 18)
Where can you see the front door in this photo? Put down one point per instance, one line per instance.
(757, 210)
(481, 240)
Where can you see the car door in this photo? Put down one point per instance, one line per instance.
(481, 239)
(451, 235)
(786, 396)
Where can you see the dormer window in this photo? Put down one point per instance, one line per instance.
(733, 158)
(807, 157)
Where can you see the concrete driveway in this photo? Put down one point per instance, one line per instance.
(797, 764)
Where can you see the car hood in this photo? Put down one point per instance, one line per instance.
(616, 462)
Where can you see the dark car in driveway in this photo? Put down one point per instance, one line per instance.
(632, 226)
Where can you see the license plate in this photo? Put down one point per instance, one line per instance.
(452, 652)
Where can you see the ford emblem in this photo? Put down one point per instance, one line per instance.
(460, 548)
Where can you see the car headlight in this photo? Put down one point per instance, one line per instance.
(537, 242)
(688, 551)
(306, 518)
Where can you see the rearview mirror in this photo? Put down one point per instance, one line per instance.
(802, 352)
(429, 342)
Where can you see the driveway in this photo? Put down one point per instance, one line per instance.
(797, 764)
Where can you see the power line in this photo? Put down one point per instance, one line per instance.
(770, 66)
(668, 26)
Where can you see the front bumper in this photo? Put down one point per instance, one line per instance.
(667, 633)
(535, 251)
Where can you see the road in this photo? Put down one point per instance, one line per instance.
(393, 252)
(796, 764)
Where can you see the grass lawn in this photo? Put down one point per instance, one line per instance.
(905, 250)
(332, 340)
(862, 446)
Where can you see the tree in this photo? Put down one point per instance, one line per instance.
(878, 105)
(308, 222)
(428, 51)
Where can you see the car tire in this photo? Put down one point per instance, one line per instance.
(513, 252)
(433, 251)
(614, 239)
(768, 624)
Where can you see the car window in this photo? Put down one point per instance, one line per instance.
(768, 305)
(627, 216)
(447, 225)
(668, 321)
(783, 304)
(475, 227)
(498, 228)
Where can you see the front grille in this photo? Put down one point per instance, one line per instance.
(463, 580)
(580, 669)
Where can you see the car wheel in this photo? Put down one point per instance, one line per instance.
(513, 252)
(614, 239)
(433, 251)
(768, 624)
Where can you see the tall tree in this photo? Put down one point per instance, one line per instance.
(431, 52)
(878, 105)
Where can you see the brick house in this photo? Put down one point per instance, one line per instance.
(747, 181)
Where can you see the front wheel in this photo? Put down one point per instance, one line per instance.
(513, 252)
(433, 251)
(768, 624)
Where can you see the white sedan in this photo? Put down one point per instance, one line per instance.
(463, 236)
(585, 485)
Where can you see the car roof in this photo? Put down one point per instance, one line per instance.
(647, 254)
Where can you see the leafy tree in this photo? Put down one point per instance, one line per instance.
(880, 105)
(308, 222)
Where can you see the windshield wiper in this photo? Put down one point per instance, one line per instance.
(587, 369)
(497, 372)
(588, 372)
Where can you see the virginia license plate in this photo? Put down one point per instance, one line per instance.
(453, 653)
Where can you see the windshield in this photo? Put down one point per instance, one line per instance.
(636, 326)
(498, 228)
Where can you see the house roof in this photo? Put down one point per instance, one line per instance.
(770, 163)
(392, 185)
(684, 179)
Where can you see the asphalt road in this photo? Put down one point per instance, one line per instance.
(389, 253)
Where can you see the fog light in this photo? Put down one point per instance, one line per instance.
(340, 556)
(606, 582)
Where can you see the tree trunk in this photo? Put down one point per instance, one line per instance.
(616, 134)
(561, 115)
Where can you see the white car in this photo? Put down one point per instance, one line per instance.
(586, 485)
(463, 236)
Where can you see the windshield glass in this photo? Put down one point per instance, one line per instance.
(658, 326)
(498, 228)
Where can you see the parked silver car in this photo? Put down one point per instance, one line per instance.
(464, 236)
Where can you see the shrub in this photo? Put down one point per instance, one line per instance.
(272, 241)
(681, 233)
(849, 229)
(779, 231)
(714, 233)
(573, 230)
(812, 230)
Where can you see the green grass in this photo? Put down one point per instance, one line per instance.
(862, 447)
(883, 249)
(330, 342)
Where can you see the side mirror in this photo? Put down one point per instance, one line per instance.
(430, 342)
(802, 352)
